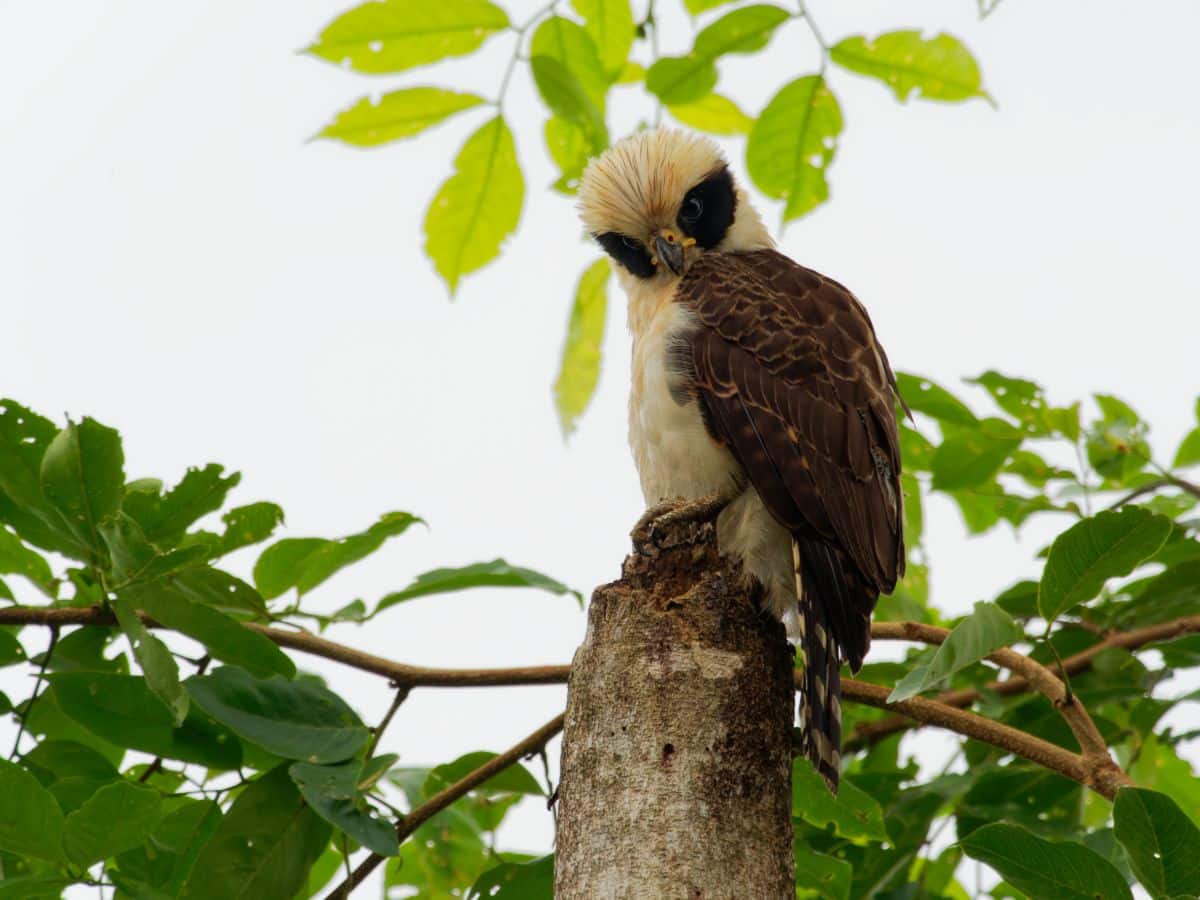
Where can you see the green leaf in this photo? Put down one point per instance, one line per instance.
(164, 519)
(987, 629)
(1090, 552)
(854, 815)
(134, 558)
(1188, 453)
(118, 817)
(478, 206)
(333, 793)
(1162, 843)
(678, 80)
(292, 719)
(397, 114)
(569, 148)
(122, 710)
(713, 113)
(579, 370)
(825, 876)
(83, 477)
(263, 849)
(924, 396)
(216, 587)
(496, 573)
(250, 524)
(572, 46)
(24, 437)
(31, 824)
(53, 760)
(303, 563)
(35, 887)
(609, 23)
(1116, 445)
(395, 35)
(940, 68)
(792, 144)
(971, 456)
(223, 637)
(156, 661)
(566, 98)
(516, 779)
(1039, 868)
(17, 559)
(695, 7)
(164, 862)
(516, 881)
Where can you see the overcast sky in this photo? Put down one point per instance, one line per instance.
(179, 262)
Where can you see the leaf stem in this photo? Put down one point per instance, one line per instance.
(402, 692)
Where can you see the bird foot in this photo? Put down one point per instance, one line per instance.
(661, 517)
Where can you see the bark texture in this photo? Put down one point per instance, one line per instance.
(676, 760)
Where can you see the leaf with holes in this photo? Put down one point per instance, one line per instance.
(164, 518)
(938, 68)
(478, 206)
(969, 457)
(402, 34)
(1090, 552)
(924, 396)
(579, 370)
(792, 144)
(397, 114)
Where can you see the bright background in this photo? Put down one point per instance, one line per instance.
(179, 262)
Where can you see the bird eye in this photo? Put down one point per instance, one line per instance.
(631, 243)
(693, 207)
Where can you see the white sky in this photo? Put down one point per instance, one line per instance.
(178, 262)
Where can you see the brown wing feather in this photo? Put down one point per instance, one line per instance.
(793, 379)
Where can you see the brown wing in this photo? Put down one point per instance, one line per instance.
(793, 380)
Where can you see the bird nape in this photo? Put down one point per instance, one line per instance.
(760, 383)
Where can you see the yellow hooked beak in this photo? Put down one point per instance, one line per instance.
(669, 247)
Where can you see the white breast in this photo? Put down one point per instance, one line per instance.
(674, 454)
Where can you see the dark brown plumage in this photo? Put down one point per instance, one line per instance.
(791, 378)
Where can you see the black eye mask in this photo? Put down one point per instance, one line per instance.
(708, 209)
(629, 252)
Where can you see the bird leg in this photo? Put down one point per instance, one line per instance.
(661, 517)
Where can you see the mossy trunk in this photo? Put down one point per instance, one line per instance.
(676, 760)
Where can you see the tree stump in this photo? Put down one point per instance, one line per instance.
(676, 759)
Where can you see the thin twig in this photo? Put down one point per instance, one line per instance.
(439, 801)
(37, 688)
(401, 695)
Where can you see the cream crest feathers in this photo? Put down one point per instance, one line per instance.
(636, 186)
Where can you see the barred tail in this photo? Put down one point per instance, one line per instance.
(829, 621)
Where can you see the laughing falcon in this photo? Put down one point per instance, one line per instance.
(758, 388)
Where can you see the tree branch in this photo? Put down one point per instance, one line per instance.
(1035, 674)
(439, 801)
(868, 733)
(1096, 770)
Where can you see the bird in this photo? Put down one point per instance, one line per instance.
(761, 395)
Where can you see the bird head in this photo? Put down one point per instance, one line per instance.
(658, 200)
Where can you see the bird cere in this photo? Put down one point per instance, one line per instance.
(759, 389)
